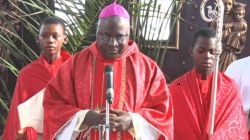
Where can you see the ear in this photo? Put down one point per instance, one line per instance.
(190, 49)
(66, 39)
(37, 40)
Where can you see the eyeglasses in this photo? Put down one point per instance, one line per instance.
(120, 38)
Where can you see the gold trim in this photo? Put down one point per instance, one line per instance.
(92, 80)
(123, 84)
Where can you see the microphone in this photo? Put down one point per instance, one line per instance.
(109, 83)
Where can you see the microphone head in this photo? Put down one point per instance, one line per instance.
(109, 83)
(109, 68)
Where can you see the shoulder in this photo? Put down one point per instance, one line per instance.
(144, 66)
(228, 87)
(180, 81)
(226, 78)
(79, 56)
(146, 58)
(143, 59)
(228, 82)
(145, 63)
(30, 67)
(82, 53)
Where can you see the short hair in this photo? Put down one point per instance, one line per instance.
(203, 32)
(232, 1)
(239, 5)
(53, 20)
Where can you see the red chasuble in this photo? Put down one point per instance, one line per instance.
(191, 100)
(139, 87)
(32, 78)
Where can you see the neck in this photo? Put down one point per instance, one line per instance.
(239, 20)
(51, 58)
(204, 74)
(227, 15)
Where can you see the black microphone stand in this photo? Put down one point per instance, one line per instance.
(104, 129)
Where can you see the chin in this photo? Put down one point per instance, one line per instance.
(209, 71)
(112, 56)
(206, 70)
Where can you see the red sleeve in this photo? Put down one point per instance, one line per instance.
(12, 124)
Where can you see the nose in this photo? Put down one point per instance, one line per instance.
(112, 42)
(50, 39)
(227, 6)
(208, 55)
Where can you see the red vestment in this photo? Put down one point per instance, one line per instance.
(32, 78)
(139, 87)
(191, 101)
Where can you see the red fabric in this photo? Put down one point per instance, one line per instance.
(32, 78)
(146, 91)
(30, 133)
(191, 101)
(249, 135)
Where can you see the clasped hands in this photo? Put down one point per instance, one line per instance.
(118, 120)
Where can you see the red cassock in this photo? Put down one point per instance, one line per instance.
(32, 78)
(191, 101)
(139, 87)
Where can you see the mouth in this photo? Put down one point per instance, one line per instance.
(206, 65)
(112, 51)
(49, 47)
(226, 10)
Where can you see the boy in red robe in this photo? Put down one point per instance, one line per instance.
(33, 78)
(191, 94)
(74, 99)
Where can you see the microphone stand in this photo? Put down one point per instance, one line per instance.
(104, 129)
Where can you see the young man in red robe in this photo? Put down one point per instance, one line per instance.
(191, 94)
(33, 78)
(74, 99)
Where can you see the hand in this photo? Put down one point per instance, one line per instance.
(21, 135)
(238, 34)
(27, 133)
(93, 117)
(120, 120)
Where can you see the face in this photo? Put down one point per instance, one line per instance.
(112, 36)
(51, 40)
(239, 14)
(228, 5)
(203, 54)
